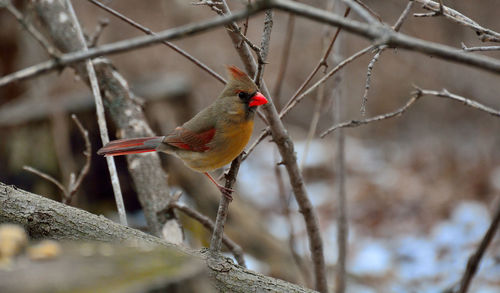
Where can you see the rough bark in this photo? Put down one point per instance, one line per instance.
(45, 218)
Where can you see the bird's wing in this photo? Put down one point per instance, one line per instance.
(190, 140)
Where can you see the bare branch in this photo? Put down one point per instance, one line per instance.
(475, 258)
(416, 95)
(168, 44)
(100, 116)
(396, 27)
(485, 34)
(94, 38)
(46, 177)
(284, 58)
(209, 225)
(73, 187)
(362, 10)
(355, 123)
(218, 231)
(468, 102)
(485, 48)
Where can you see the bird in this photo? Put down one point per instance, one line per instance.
(213, 137)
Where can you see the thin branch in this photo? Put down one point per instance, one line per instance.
(416, 95)
(169, 44)
(396, 27)
(209, 225)
(468, 102)
(475, 258)
(362, 10)
(94, 38)
(356, 123)
(485, 48)
(218, 231)
(264, 45)
(485, 34)
(46, 177)
(322, 62)
(371, 11)
(325, 78)
(100, 117)
(87, 153)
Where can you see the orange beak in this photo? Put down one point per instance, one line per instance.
(257, 100)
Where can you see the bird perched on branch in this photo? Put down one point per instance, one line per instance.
(213, 137)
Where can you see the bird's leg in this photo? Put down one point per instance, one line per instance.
(224, 190)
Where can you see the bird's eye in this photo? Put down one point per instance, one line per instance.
(243, 95)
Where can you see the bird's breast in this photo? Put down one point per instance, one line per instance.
(229, 141)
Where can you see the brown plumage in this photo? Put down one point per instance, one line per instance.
(213, 137)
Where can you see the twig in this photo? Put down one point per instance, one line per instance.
(475, 258)
(325, 78)
(416, 95)
(485, 48)
(468, 102)
(53, 52)
(218, 231)
(362, 10)
(46, 177)
(100, 118)
(245, 24)
(73, 184)
(485, 34)
(87, 153)
(169, 44)
(355, 123)
(396, 27)
(209, 225)
(322, 62)
(103, 23)
(371, 11)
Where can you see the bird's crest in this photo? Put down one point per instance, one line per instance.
(235, 72)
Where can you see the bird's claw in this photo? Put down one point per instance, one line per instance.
(226, 192)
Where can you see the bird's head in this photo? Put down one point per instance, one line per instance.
(241, 92)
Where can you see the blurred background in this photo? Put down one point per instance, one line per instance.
(421, 187)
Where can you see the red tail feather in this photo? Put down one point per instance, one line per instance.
(131, 146)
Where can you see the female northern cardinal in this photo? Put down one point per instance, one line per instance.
(212, 138)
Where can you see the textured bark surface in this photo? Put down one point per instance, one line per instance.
(45, 218)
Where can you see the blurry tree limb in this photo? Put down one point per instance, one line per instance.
(147, 173)
(475, 258)
(74, 183)
(96, 91)
(168, 44)
(485, 34)
(45, 218)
